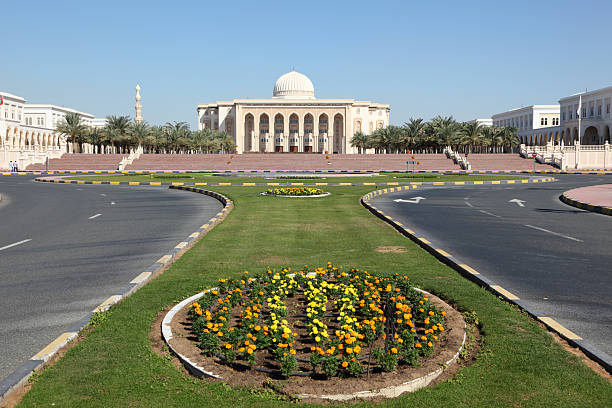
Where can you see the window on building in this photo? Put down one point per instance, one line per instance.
(583, 112)
(592, 113)
(563, 116)
(608, 108)
(599, 110)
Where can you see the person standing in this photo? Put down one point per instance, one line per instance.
(11, 166)
(16, 166)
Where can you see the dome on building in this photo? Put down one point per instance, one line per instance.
(293, 85)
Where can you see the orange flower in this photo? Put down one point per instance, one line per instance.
(429, 343)
(344, 364)
(228, 346)
(394, 350)
(418, 345)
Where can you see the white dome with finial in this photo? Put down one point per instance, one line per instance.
(293, 85)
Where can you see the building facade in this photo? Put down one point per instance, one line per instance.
(536, 124)
(482, 121)
(293, 120)
(28, 131)
(596, 119)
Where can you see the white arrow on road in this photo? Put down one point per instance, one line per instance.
(413, 200)
(519, 202)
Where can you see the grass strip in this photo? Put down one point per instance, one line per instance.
(519, 363)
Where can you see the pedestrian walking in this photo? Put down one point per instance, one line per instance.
(11, 166)
(16, 166)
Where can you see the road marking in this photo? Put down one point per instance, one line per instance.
(491, 214)
(469, 269)
(504, 292)
(425, 241)
(444, 253)
(549, 321)
(94, 216)
(141, 278)
(469, 204)
(519, 202)
(52, 347)
(413, 200)
(164, 259)
(107, 303)
(15, 244)
(112, 203)
(553, 233)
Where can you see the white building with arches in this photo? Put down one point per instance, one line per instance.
(293, 120)
(28, 131)
(596, 117)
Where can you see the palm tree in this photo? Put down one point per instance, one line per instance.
(73, 127)
(414, 130)
(117, 129)
(360, 141)
(471, 133)
(95, 137)
(138, 132)
(174, 131)
(509, 137)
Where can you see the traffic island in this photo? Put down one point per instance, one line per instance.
(592, 198)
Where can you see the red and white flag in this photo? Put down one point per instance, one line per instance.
(1, 100)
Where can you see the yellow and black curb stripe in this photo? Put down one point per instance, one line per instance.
(40, 172)
(20, 376)
(585, 206)
(346, 172)
(340, 184)
(477, 277)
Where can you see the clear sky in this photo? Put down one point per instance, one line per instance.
(463, 58)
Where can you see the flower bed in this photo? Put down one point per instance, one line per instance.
(296, 192)
(319, 323)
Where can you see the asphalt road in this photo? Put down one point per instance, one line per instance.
(557, 259)
(75, 259)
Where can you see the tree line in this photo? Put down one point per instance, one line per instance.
(420, 136)
(121, 134)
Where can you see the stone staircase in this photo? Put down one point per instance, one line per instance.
(504, 161)
(289, 161)
(82, 161)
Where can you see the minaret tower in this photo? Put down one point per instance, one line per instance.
(138, 105)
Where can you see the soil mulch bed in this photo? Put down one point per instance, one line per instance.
(185, 343)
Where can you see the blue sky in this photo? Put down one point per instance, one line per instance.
(462, 58)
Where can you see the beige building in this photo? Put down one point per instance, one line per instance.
(293, 120)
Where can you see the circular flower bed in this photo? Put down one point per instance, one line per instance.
(320, 323)
(296, 192)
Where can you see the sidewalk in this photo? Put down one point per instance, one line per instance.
(592, 198)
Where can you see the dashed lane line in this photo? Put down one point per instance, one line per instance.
(15, 244)
(553, 233)
(94, 216)
(491, 214)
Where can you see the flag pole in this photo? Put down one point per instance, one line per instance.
(579, 133)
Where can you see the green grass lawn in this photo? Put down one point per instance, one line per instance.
(519, 364)
(277, 178)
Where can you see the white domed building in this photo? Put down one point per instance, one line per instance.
(293, 120)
